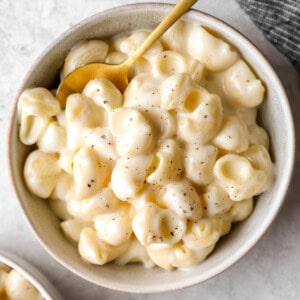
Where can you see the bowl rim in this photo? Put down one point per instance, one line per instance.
(285, 184)
(29, 272)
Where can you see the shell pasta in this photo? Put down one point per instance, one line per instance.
(158, 174)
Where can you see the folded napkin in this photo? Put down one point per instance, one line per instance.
(280, 22)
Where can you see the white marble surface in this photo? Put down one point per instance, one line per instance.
(271, 270)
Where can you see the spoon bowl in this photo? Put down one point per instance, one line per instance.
(76, 80)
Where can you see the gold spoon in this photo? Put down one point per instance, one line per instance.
(76, 80)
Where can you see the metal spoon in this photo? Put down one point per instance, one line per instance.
(76, 80)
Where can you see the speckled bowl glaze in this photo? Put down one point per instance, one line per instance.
(276, 118)
(46, 289)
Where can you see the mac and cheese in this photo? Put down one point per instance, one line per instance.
(14, 286)
(159, 173)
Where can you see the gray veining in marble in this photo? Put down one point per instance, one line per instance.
(271, 270)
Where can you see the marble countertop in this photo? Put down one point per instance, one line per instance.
(271, 270)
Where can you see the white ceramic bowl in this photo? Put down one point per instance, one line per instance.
(276, 118)
(45, 288)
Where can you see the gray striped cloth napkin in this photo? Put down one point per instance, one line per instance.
(280, 22)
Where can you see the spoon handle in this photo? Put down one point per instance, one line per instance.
(181, 8)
